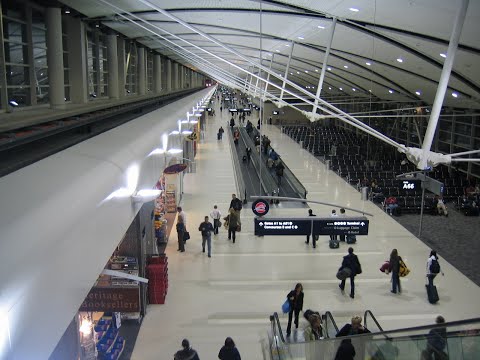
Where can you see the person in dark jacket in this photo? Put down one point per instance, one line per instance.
(351, 261)
(437, 341)
(229, 351)
(181, 234)
(279, 172)
(315, 237)
(395, 269)
(187, 353)
(355, 328)
(345, 351)
(232, 221)
(295, 298)
(237, 206)
(206, 228)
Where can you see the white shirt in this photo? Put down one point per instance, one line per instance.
(184, 217)
(215, 214)
(429, 263)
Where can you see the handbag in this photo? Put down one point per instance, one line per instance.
(217, 222)
(186, 236)
(344, 273)
(239, 227)
(404, 270)
(286, 306)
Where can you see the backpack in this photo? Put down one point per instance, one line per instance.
(435, 267)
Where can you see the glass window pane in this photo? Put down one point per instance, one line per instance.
(40, 57)
(15, 53)
(41, 76)
(39, 38)
(14, 31)
(444, 136)
(17, 75)
(463, 129)
(42, 94)
(38, 20)
(443, 147)
(20, 95)
(446, 124)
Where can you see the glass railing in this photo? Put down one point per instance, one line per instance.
(329, 324)
(237, 170)
(459, 340)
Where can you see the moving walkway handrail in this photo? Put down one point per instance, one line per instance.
(328, 316)
(274, 319)
(365, 317)
(242, 190)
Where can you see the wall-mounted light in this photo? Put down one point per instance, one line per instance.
(86, 326)
(145, 195)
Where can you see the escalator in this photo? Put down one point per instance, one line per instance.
(461, 341)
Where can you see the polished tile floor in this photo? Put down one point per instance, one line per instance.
(234, 292)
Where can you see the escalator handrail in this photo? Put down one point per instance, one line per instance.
(236, 167)
(329, 315)
(277, 321)
(365, 317)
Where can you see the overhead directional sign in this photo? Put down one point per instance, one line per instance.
(303, 226)
(341, 226)
(282, 226)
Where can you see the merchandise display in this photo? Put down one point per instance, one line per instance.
(157, 274)
(109, 345)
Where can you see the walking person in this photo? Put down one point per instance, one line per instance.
(433, 267)
(395, 260)
(342, 214)
(351, 261)
(215, 215)
(333, 237)
(279, 172)
(187, 353)
(183, 215)
(206, 228)
(229, 351)
(437, 341)
(295, 298)
(220, 133)
(237, 206)
(181, 234)
(314, 237)
(232, 221)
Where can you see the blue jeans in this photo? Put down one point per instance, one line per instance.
(208, 239)
(352, 285)
(396, 283)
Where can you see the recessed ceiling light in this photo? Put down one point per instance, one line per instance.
(298, 72)
(443, 55)
(291, 73)
(287, 45)
(329, 69)
(345, 66)
(370, 90)
(354, 9)
(454, 94)
(67, 11)
(321, 27)
(301, 37)
(390, 91)
(418, 93)
(329, 88)
(306, 71)
(368, 64)
(340, 89)
(354, 89)
(277, 50)
(400, 60)
(316, 70)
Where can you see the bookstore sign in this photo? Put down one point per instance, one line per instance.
(112, 299)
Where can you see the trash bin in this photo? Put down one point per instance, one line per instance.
(327, 164)
(365, 193)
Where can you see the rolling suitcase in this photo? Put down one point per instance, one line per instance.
(432, 294)
(351, 239)
(334, 244)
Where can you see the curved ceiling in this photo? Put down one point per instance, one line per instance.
(225, 38)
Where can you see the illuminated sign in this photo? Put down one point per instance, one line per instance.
(282, 226)
(341, 226)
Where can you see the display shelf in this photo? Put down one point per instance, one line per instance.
(171, 201)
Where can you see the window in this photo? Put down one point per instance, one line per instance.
(131, 64)
(150, 83)
(39, 40)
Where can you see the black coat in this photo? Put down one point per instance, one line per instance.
(297, 302)
(186, 354)
(229, 354)
(347, 330)
(345, 351)
(351, 261)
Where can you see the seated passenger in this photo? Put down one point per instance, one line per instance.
(440, 205)
(391, 204)
(355, 328)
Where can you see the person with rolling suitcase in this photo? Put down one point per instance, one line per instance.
(433, 269)
(350, 261)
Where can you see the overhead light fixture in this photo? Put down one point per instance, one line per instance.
(316, 70)
(454, 94)
(301, 38)
(329, 69)
(67, 11)
(340, 89)
(368, 64)
(145, 195)
(329, 88)
(418, 93)
(321, 27)
(345, 66)
(277, 50)
(175, 151)
(291, 73)
(353, 89)
(390, 91)
(287, 45)
(306, 71)
(298, 72)
(443, 55)
(175, 132)
(400, 60)
(370, 90)
(354, 9)
(13, 103)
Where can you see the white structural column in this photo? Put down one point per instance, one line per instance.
(292, 44)
(268, 78)
(56, 80)
(122, 71)
(157, 73)
(190, 79)
(175, 76)
(324, 67)
(443, 83)
(181, 70)
(169, 75)
(112, 63)
(77, 60)
(142, 74)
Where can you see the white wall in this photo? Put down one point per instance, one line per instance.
(56, 234)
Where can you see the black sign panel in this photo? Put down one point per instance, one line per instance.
(276, 226)
(340, 226)
(410, 185)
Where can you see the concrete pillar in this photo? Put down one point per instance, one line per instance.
(169, 75)
(141, 71)
(175, 77)
(53, 22)
(157, 74)
(112, 63)
(122, 71)
(181, 76)
(190, 79)
(77, 60)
